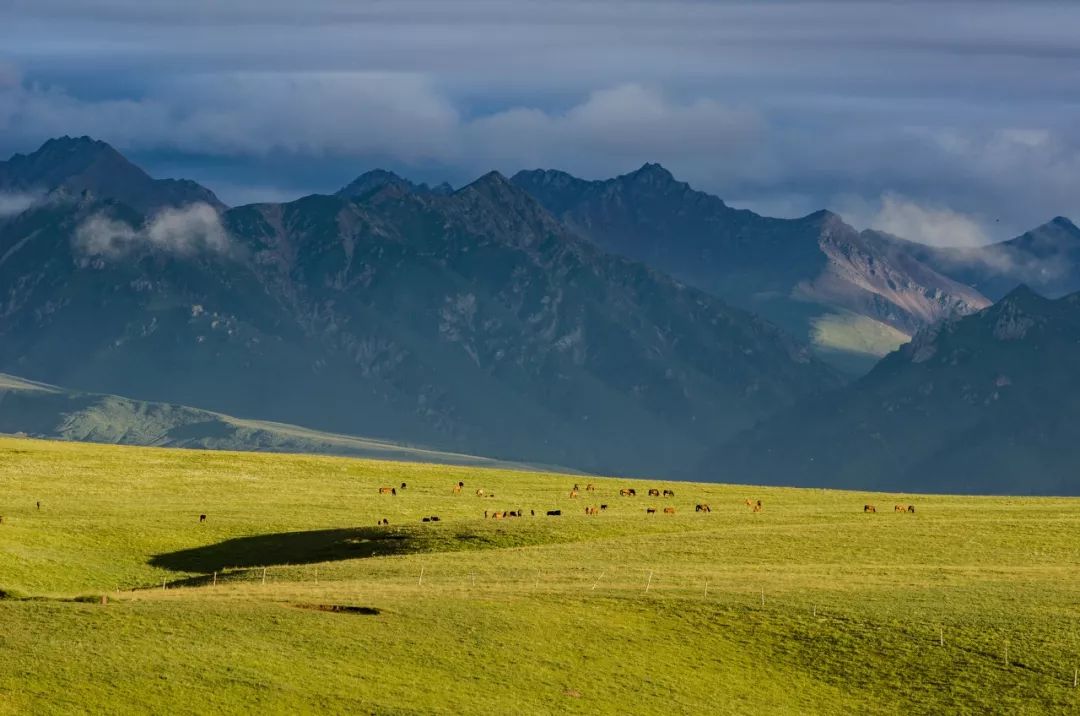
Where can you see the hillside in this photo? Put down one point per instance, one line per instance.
(989, 403)
(799, 273)
(471, 322)
(290, 597)
(46, 411)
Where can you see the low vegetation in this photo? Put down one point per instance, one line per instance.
(291, 598)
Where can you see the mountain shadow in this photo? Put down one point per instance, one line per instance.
(287, 548)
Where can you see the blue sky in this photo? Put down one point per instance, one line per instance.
(948, 122)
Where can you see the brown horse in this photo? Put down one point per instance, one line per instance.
(669, 493)
(702, 508)
(653, 492)
(480, 493)
(590, 488)
(457, 489)
(869, 508)
(387, 491)
(757, 507)
(650, 510)
(573, 493)
(669, 510)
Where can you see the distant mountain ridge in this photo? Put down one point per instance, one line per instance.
(987, 403)
(854, 294)
(470, 321)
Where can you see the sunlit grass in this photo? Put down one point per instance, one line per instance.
(809, 606)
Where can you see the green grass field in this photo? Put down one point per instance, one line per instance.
(810, 606)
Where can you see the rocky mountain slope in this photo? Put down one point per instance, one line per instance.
(988, 403)
(472, 321)
(854, 295)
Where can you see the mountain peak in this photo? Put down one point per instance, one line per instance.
(376, 179)
(1064, 223)
(1023, 292)
(83, 164)
(653, 173)
(373, 180)
(492, 181)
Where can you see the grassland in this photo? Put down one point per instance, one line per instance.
(808, 607)
(851, 333)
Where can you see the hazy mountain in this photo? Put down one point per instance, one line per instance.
(1046, 258)
(78, 165)
(988, 403)
(854, 295)
(377, 179)
(471, 321)
(46, 411)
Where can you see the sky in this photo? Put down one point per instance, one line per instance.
(950, 122)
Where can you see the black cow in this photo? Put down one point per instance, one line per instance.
(554, 513)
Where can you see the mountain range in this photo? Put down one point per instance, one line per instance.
(853, 295)
(632, 325)
(472, 321)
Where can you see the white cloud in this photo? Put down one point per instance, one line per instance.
(16, 203)
(185, 231)
(932, 225)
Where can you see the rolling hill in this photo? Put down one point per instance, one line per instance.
(45, 411)
(988, 403)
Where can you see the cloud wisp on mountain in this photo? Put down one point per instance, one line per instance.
(182, 231)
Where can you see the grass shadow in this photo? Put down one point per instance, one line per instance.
(286, 548)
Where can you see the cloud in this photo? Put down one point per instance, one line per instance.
(184, 232)
(613, 126)
(787, 104)
(12, 204)
(932, 225)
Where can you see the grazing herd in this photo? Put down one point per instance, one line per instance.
(575, 491)
(754, 505)
(896, 508)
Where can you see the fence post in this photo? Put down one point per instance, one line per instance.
(420, 581)
(706, 589)
(215, 579)
(264, 576)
